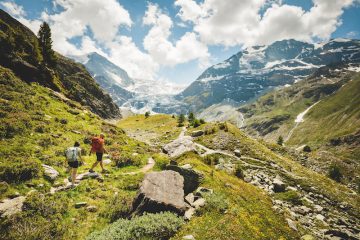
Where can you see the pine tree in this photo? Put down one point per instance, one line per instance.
(191, 118)
(45, 42)
(147, 114)
(280, 140)
(181, 120)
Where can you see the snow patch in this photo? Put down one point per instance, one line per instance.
(222, 65)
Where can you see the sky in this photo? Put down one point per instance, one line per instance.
(176, 40)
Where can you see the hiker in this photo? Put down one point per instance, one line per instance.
(73, 155)
(97, 147)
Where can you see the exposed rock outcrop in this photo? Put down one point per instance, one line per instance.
(192, 178)
(50, 173)
(9, 207)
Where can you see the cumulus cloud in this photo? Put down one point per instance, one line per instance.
(234, 22)
(162, 50)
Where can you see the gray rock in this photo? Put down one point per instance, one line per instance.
(318, 208)
(187, 166)
(189, 237)
(278, 185)
(320, 217)
(189, 213)
(159, 192)
(91, 208)
(237, 152)
(199, 203)
(179, 146)
(192, 178)
(86, 175)
(190, 198)
(9, 207)
(107, 161)
(80, 204)
(50, 173)
(291, 224)
(197, 133)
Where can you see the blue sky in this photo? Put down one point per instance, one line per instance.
(177, 40)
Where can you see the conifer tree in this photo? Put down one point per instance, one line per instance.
(45, 42)
(280, 140)
(191, 118)
(181, 120)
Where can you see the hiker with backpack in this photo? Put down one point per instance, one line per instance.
(74, 160)
(97, 147)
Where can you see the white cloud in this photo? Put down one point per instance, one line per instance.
(352, 34)
(127, 55)
(162, 50)
(13, 9)
(234, 22)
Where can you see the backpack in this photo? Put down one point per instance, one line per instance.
(96, 144)
(72, 153)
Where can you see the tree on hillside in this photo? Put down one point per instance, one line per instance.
(45, 42)
(280, 140)
(181, 120)
(147, 114)
(191, 118)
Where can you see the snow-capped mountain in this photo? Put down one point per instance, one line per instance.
(257, 69)
(138, 95)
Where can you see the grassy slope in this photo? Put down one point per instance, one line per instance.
(249, 215)
(31, 115)
(340, 112)
(235, 139)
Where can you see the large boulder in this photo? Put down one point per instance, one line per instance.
(278, 185)
(160, 191)
(50, 173)
(179, 146)
(192, 178)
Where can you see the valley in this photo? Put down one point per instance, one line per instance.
(264, 145)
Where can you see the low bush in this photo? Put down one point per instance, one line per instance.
(118, 206)
(126, 159)
(16, 170)
(307, 148)
(217, 202)
(42, 218)
(239, 172)
(289, 196)
(223, 126)
(149, 226)
(212, 159)
(335, 173)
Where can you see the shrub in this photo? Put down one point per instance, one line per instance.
(280, 140)
(119, 206)
(289, 196)
(126, 159)
(335, 172)
(307, 148)
(147, 114)
(202, 121)
(209, 130)
(63, 121)
(41, 218)
(149, 226)
(217, 202)
(223, 126)
(161, 160)
(18, 170)
(239, 172)
(196, 123)
(212, 159)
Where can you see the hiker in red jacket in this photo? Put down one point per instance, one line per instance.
(97, 147)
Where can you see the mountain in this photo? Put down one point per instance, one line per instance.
(321, 111)
(110, 77)
(258, 69)
(137, 95)
(19, 52)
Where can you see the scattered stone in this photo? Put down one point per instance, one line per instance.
(201, 191)
(80, 204)
(187, 166)
(107, 161)
(307, 200)
(76, 132)
(291, 224)
(86, 175)
(190, 198)
(189, 213)
(278, 185)
(237, 152)
(159, 192)
(9, 207)
(199, 203)
(189, 237)
(320, 217)
(192, 178)
(307, 237)
(318, 208)
(197, 133)
(91, 208)
(50, 173)
(289, 188)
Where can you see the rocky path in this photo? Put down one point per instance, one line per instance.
(150, 164)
